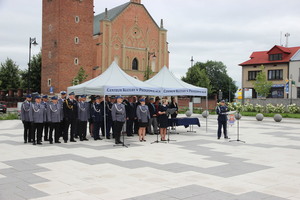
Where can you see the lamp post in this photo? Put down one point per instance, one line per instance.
(192, 61)
(291, 88)
(148, 67)
(31, 41)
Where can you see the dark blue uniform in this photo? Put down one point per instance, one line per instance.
(70, 109)
(222, 120)
(97, 116)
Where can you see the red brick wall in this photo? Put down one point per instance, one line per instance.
(184, 102)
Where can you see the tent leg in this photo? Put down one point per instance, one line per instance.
(104, 120)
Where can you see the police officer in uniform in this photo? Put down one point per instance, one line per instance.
(70, 108)
(54, 115)
(25, 118)
(222, 110)
(37, 115)
(118, 113)
(97, 115)
(61, 100)
(46, 124)
(83, 117)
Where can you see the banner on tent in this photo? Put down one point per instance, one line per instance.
(131, 91)
(189, 92)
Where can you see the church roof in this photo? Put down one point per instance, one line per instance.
(111, 15)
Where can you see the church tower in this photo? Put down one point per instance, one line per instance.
(67, 42)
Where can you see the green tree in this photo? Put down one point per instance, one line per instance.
(80, 77)
(218, 78)
(261, 85)
(197, 77)
(148, 73)
(9, 75)
(35, 74)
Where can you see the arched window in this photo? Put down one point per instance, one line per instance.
(135, 64)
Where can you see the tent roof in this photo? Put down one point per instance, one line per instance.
(172, 86)
(114, 81)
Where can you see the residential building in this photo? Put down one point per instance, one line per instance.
(294, 77)
(276, 64)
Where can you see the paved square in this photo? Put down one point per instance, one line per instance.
(195, 166)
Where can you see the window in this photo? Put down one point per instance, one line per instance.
(76, 40)
(276, 92)
(298, 92)
(275, 74)
(49, 55)
(76, 61)
(252, 75)
(275, 57)
(49, 82)
(135, 64)
(299, 76)
(77, 19)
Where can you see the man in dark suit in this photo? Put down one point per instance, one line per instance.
(70, 108)
(153, 117)
(130, 116)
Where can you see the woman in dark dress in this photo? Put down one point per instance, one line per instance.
(163, 119)
(173, 104)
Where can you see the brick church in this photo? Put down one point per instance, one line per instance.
(72, 37)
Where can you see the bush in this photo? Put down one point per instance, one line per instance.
(9, 116)
(270, 108)
(293, 108)
(279, 108)
(248, 107)
(259, 108)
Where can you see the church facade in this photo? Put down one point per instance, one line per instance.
(73, 37)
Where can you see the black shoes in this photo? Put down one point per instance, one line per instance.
(85, 139)
(227, 137)
(57, 142)
(73, 140)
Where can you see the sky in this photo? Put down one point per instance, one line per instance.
(221, 30)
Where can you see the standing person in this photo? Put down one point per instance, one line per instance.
(163, 119)
(25, 118)
(153, 117)
(61, 100)
(118, 114)
(112, 102)
(143, 115)
(46, 124)
(83, 117)
(108, 118)
(54, 115)
(221, 110)
(97, 116)
(135, 121)
(70, 108)
(130, 114)
(173, 104)
(91, 122)
(37, 115)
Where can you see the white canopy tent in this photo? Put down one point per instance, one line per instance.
(172, 86)
(114, 81)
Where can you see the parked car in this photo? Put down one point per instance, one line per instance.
(3, 108)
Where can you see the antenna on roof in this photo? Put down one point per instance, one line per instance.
(287, 35)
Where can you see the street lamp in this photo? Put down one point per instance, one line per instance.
(192, 61)
(291, 88)
(31, 41)
(148, 67)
